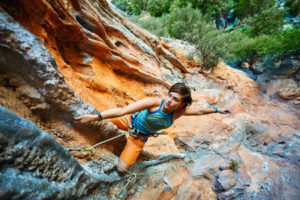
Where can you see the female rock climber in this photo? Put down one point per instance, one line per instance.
(147, 116)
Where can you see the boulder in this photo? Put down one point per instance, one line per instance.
(225, 180)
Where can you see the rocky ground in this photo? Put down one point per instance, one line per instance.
(69, 58)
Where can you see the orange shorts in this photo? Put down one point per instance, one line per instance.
(133, 146)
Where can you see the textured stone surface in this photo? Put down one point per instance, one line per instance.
(84, 48)
(225, 180)
(35, 166)
(42, 96)
(26, 54)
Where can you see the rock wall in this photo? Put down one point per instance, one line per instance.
(35, 166)
(33, 87)
(60, 59)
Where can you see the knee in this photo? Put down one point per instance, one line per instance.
(120, 170)
(122, 166)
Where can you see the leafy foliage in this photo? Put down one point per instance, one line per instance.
(181, 21)
(241, 47)
(206, 7)
(189, 24)
(206, 38)
(153, 24)
(131, 6)
(156, 8)
(245, 48)
(123, 5)
(234, 165)
(245, 8)
(260, 34)
(287, 41)
(294, 7)
(269, 21)
(138, 6)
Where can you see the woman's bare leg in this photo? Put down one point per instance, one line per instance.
(122, 165)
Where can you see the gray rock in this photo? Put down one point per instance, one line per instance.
(243, 178)
(31, 161)
(258, 68)
(297, 76)
(289, 150)
(254, 129)
(26, 54)
(206, 165)
(234, 193)
(225, 180)
(245, 65)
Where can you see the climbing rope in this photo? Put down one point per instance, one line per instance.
(90, 149)
(95, 145)
(130, 179)
(133, 176)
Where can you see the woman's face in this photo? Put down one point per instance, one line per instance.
(173, 101)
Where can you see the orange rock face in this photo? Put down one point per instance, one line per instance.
(110, 62)
(98, 55)
(99, 61)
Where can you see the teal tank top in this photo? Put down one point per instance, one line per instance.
(148, 123)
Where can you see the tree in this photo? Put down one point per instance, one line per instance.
(269, 21)
(294, 7)
(181, 21)
(138, 6)
(245, 8)
(157, 8)
(207, 7)
(123, 5)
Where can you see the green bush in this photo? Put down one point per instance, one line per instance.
(234, 165)
(154, 25)
(269, 21)
(294, 7)
(138, 6)
(247, 50)
(123, 5)
(237, 46)
(206, 7)
(131, 6)
(229, 43)
(287, 41)
(246, 8)
(189, 24)
(261, 34)
(181, 21)
(290, 40)
(241, 47)
(205, 36)
(156, 8)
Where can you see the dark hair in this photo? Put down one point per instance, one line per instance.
(184, 91)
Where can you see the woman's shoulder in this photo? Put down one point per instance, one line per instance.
(150, 101)
(155, 100)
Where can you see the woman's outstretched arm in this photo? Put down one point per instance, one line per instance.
(196, 110)
(118, 112)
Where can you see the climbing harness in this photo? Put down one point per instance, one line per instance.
(137, 134)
